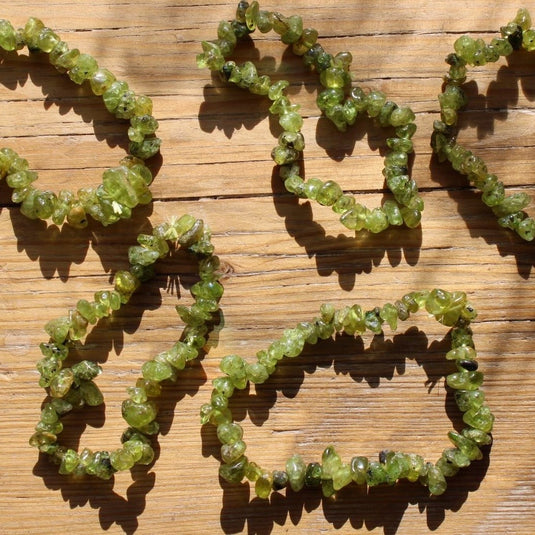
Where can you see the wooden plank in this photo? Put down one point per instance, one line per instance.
(285, 258)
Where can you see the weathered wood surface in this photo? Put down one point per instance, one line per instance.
(285, 258)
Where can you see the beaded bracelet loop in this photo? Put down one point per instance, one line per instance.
(508, 209)
(449, 308)
(340, 102)
(123, 187)
(71, 387)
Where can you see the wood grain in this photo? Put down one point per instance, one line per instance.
(285, 258)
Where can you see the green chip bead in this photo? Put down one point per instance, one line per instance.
(479, 418)
(232, 451)
(329, 193)
(85, 67)
(69, 462)
(234, 472)
(139, 415)
(313, 475)
(263, 485)
(375, 474)
(465, 380)
(154, 370)
(296, 470)
(359, 467)
(465, 445)
(8, 36)
(342, 477)
(435, 480)
(122, 459)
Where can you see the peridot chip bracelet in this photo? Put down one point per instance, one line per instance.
(509, 209)
(332, 473)
(123, 187)
(69, 382)
(340, 102)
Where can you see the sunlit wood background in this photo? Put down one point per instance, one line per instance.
(284, 257)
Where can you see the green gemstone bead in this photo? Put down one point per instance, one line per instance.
(330, 97)
(122, 459)
(327, 488)
(376, 221)
(374, 102)
(296, 185)
(138, 254)
(291, 121)
(386, 111)
(8, 36)
(465, 380)
(480, 418)
(224, 386)
(91, 394)
(373, 321)
(69, 462)
(256, 373)
(263, 21)
(65, 61)
(359, 468)
(461, 353)
(86, 370)
(456, 457)
(343, 204)
(100, 465)
(296, 470)
(469, 399)
(61, 383)
(313, 475)
(342, 477)
(58, 329)
(232, 451)
(229, 432)
(139, 414)
(85, 67)
(280, 479)
(101, 80)
(31, 31)
(479, 437)
(329, 193)
(136, 394)
(397, 467)
(154, 370)
(234, 472)
(49, 414)
(447, 468)
(416, 467)
(411, 216)
(21, 179)
(401, 116)
(526, 229)
(113, 95)
(292, 342)
(435, 480)
(330, 461)
(393, 213)
(355, 218)
(264, 484)
(467, 446)
(312, 186)
(375, 474)
(125, 285)
(334, 78)
(43, 441)
(234, 367)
